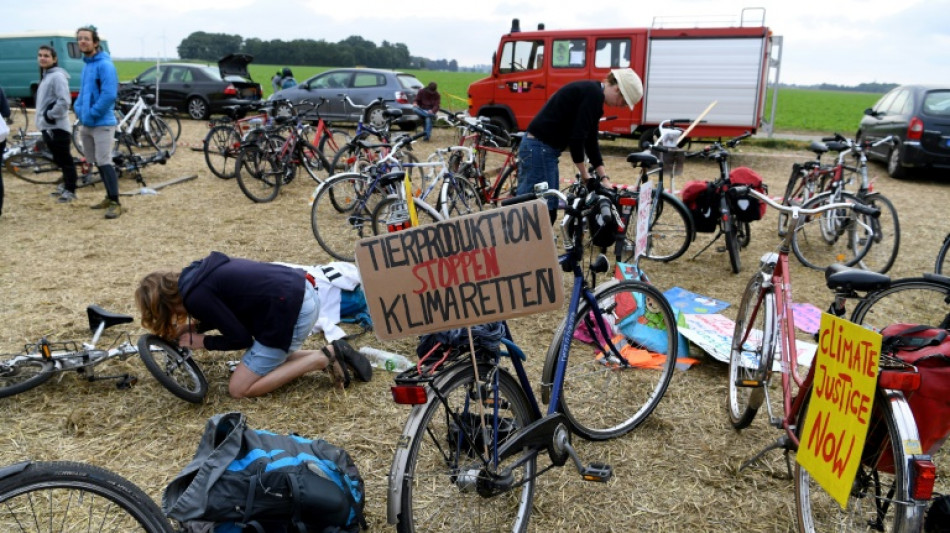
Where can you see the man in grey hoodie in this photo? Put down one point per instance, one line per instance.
(52, 118)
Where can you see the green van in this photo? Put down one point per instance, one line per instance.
(19, 71)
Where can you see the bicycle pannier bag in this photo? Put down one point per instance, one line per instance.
(700, 199)
(254, 480)
(745, 207)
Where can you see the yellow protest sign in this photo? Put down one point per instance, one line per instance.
(836, 424)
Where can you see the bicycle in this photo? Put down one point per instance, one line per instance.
(171, 365)
(812, 178)
(943, 257)
(468, 455)
(64, 496)
(141, 121)
(835, 237)
(485, 139)
(222, 143)
(19, 118)
(765, 320)
(359, 153)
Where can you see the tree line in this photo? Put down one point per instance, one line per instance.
(353, 50)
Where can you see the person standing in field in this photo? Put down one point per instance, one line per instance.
(98, 88)
(427, 104)
(570, 120)
(52, 118)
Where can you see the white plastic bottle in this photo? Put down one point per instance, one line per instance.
(392, 362)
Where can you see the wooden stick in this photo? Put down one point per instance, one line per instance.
(695, 122)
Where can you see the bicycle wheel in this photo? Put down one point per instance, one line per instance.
(260, 172)
(342, 214)
(22, 372)
(943, 258)
(77, 138)
(220, 147)
(507, 185)
(310, 160)
(753, 348)
(834, 236)
(331, 143)
(879, 499)
(881, 255)
(794, 195)
(391, 215)
(604, 396)
(159, 135)
(744, 233)
(54, 497)
(176, 371)
(447, 484)
(671, 231)
(34, 167)
(174, 123)
(732, 244)
(352, 158)
(907, 300)
(458, 197)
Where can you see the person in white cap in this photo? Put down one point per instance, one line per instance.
(570, 120)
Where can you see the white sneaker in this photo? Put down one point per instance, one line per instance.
(66, 197)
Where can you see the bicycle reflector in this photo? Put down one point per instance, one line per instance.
(902, 380)
(925, 473)
(409, 394)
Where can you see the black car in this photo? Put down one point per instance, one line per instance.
(200, 89)
(919, 117)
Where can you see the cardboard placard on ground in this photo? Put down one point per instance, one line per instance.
(487, 266)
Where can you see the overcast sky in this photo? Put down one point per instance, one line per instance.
(835, 41)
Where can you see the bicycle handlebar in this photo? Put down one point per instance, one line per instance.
(793, 210)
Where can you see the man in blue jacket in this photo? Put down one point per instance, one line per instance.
(98, 87)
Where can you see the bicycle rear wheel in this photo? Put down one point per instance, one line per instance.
(881, 255)
(56, 497)
(753, 348)
(342, 214)
(880, 496)
(835, 236)
(331, 143)
(34, 167)
(260, 171)
(604, 396)
(942, 265)
(671, 231)
(908, 300)
(176, 371)
(22, 372)
(446, 484)
(221, 148)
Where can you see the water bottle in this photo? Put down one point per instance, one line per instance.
(393, 362)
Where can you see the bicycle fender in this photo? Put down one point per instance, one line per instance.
(909, 438)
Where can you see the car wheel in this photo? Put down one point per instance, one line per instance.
(375, 116)
(894, 167)
(198, 108)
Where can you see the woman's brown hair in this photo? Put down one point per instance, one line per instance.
(160, 304)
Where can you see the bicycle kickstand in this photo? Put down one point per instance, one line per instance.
(712, 242)
(783, 443)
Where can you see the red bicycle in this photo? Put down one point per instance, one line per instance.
(493, 184)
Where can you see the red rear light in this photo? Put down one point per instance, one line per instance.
(906, 381)
(402, 97)
(230, 90)
(416, 395)
(925, 473)
(915, 130)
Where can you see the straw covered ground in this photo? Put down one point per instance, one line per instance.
(678, 472)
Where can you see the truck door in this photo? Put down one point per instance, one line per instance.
(522, 81)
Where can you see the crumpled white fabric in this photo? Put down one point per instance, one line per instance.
(331, 279)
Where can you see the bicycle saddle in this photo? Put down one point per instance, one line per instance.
(818, 147)
(839, 277)
(97, 315)
(644, 159)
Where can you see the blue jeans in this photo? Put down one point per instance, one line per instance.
(428, 120)
(537, 164)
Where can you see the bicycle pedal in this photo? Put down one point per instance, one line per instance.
(126, 382)
(599, 472)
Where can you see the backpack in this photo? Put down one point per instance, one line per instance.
(261, 481)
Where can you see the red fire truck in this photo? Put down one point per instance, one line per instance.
(683, 70)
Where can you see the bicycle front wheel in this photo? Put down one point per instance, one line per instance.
(57, 497)
(34, 167)
(753, 347)
(177, 372)
(221, 147)
(909, 300)
(342, 214)
(449, 484)
(879, 499)
(881, 255)
(732, 244)
(458, 197)
(834, 236)
(22, 372)
(606, 392)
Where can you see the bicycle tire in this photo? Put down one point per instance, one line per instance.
(310, 160)
(458, 197)
(744, 233)
(882, 253)
(23, 375)
(795, 191)
(159, 135)
(77, 138)
(177, 372)
(909, 300)
(174, 123)
(351, 158)
(19, 117)
(602, 400)
(731, 234)
(331, 143)
(342, 212)
(35, 496)
(507, 185)
(880, 486)
(34, 167)
(387, 217)
(259, 173)
(835, 236)
(221, 147)
(751, 355)
(671, 231)
(440, 486)
(943, 258)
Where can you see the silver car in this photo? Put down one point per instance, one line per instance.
(363, 86)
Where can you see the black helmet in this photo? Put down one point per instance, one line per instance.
(287, 72)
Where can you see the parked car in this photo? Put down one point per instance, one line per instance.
(362, 85)
(201, 90)
(919, 116)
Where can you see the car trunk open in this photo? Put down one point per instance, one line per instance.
(235, 65)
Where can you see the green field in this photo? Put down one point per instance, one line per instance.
(798, 109)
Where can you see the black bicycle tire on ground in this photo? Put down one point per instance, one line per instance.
(174, 123)
(333, 218)
(331, 143)
(34, 167)
(731, 234)
(881, 255)
(222, 142)
(742, 409)
(173, 363)
(447, 503)
(585, 372)
(310, 160)
(257, 175)
(814, 225)
(918, 300)
(42, 375)
(28, 491)
(942, 265)
(744, 233)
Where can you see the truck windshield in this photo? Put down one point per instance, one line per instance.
(517, 56)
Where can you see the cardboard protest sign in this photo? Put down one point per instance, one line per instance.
(479, 268)
(839, 408)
